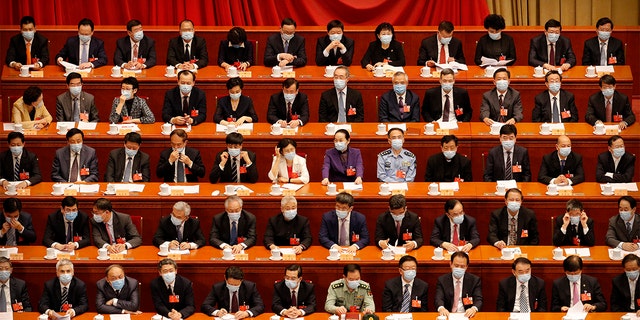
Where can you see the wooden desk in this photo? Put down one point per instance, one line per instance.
(261, 86)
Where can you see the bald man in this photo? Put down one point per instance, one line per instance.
(562, 167)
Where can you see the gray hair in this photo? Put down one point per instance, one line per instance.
(182, 206)
(345, 68)
(288, 199)
(231, 199)
(400, 73)
(64, 262)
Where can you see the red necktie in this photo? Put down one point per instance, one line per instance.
(456, 239)
(552, 55)
(294, 300)
(608, 110)
(443, 55)
(234, 302)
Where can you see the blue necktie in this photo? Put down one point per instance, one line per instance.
(234, 234)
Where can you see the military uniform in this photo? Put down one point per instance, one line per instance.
(392, 168)
(361, 298)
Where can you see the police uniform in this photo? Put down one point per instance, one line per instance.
(392, 168)
(361, 297)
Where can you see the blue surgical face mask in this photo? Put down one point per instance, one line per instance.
(339, 83)
(84, 38)
(340, 146)
(502, 85)
(447, 86)
(129, 152)
(632, 275)
(625, 215)
(169, 277)
(449, 154)
(553, 37)
(234, 152)
(235, 96)
(495, 36)
(70, 216)
(342, 214)
(554, 87)
(65, 278)
(28, 35)
(75, 90)
(117, 284)
(128, 94)
(573, 277)
(458, 219)
(574, 220)
(565, 151)
(289, 156)
(335, 37)
(289, 97)
(138, 36)
(396, 144)
(286, 37)
(16, 150)
(5, 275)
(397, 217)
(508, 144)
(290, 214)
(608, 92)
(445, 41)
(187, 35)
(458, 272)
(399, 88)
(291, 284)
(75, 147)
(180, 150)
(409, 275)
(176, 222)
(604, 35)
(353, 284)
(386, 39)
(234, 216)
(98, 218)
(232, 288)
(522, 278)
(513, 206)
(185, 88)
(618, 152)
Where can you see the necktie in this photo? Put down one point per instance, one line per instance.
(69, 231)
(501, 102)
(455, 238)
(235, 177)
(286, 46)
(28, 44)
(11, 238)
(16, 169)
(127, 170)
(406, 299)
(234, 302)
(562, 163)
(447, 105)
(552, 55)
(73, 175)
(135, 52)
(342, 116)
(400, 106)
(603, 53)
(524, 306)
(512, 232)
(555, 113)
(576, 293)
(3, 299)
(344, 235)
(76, 110)
(170, 289)
(294, 299)
(179, 232)
(234, 234)
(456, 296)
(109, 234)
(180, 171)
(117, 293)
(398, 229)
(628, 224)
(608, 110)
(289, 112)
(443, 55)
(64, 298)
(508, 175)
(84, 55)
(185, 105)
(187, 54)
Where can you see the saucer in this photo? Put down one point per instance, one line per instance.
(551, 194)
(11, 193)
(275, 259)
(607, 194)
(328, 75)
(165, 134)
(50, 258)
(427, 76)
(499, 193)
(163, 194)
(599, 134)
(381, 133)
(232, 76)
(230, 193)
(328, 134)
(61, 133)
(591, 76)
(56, 194)
(116, 75)
(229, 259)
(434, 194)
(430, 133)
(171, 76)
(102, 258)
(436, 258)
(384, 193)
(559, 259)
(276, 75)
(386, 259)
(106, 193)
(505, 258)
(275, 134)
(538, 76)
(111, 133)
(381, 76)
(544, 134)
(333, 259)
(275, 194)
(331, 193)
(25, 76)
(163, 254)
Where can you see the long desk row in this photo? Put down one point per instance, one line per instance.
(475, 141)
(313, 82)
(205, 267)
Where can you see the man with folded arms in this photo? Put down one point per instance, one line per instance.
(288, 228)
(343, 228)
(117, 293)
(234, 228)
(398, 226)
(458, 291)
(550, 50)
(294, 292)
(625, 287)
(83, 50)
(513, 224)
(561, 167)
(455, 230)
(113, 230)
(448, 165)
(188, 51)
(172, 294)
(135, 51)
(179, 230)
(576, 287)
(624, 228)
(185, 104)
(28, 48)
(574, 228)
(285, 48)
(234, 296)
(17, 229)
(522, 292)
(68, 228)
(64, 295)
(615, 165)
(17, 295)
(18, 164)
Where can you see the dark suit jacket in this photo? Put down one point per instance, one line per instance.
(432, 104)
(52, 294)
(181, 287)
(495, 48)
(146, 50)
(230, 54)
(471, 287)
(128, 298)
(507, 294)
(88, 159)
(282, 297)
(225, 175)
(550, 168)
(17, 50)
(218, 298)
(561, 293)
(280, 231)
(542, 110)
(566, 239)
(64, 106)
(328, 109)
(439, 169)
(172, 106)
(221, 229)
(624, 171)
(386, 229)
(277, 109)
(336, 171)
(329, 231)
(538, 54)
(55, 230)
(499, 227)
(490, 107)
(28, 163)
(430, 48)
(71, 50)
(117, 163)
(617, 231)
(122, 228)
(388, 110)
(28, 235)
(197, 50)
(19, 293)
(392, 295)
(596, 108)
(165, 170)
(337, 58)
(167, 232)
(621, 294)
(375, 54)
(441, 231)
(494, 170)
(591, 51)
(275, 46)
(245, 108)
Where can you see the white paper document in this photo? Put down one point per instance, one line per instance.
(187, 189)
(630, 186)
(68, 124)
(453, 65)
(120, 317)
(632, 315)
(520, 316)
(604, 69)
(608, 127)
(576, 312)
(508, 184)
(449, 125)
(284, 251)
(398, 186)
(392, 68)
(128, 126)
(132, 187)
(133, 70)
(83, 125)
(351, 186)
(85, 188)
(244, 126)
(68, 65)
(556, 126)
(457, 316)
(57, 252)
(492, 62)
(7, 126)
(178, 251)
(402, 316)
(583, 252)
(292, 186)
(402, 126)
(450, 186)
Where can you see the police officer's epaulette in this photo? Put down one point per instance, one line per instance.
(385, 153)
(409, 154)
(365, 286)
(338, 285)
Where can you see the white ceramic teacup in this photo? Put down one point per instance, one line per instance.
(170, 70)
(429, 127)
(113, 128)
(51, 253)
(617, 253)
(58, 188)
(387, 253)
(382, 128)
(433, 188)
(98, 317)
(552, 189)
(334, 253)
(275, 254)
(230, 189)
(232, 72)
(500, 189)
(538, 71)
(507, 253)
(166, 128)
(333, 317)
(227, 253)
(17, 127)
(276, 71)
(164, 248)
(24, 71)
(545, 128)
(384, 188)
(425, 71)
(557, 253)
(600, 129)
(116, 71)
(276, 128)
(231, 128)
(438, 252)
(43, 317)
(330, 128)
(274, 317)
(489, 71)
(378, 71)
(164, 188)
(102, 253)
(63, 128)
(328, 70)
(332, 188)
(275, 189)
(156, 317)
(591, 70)
(11, 188)
(607, 189)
